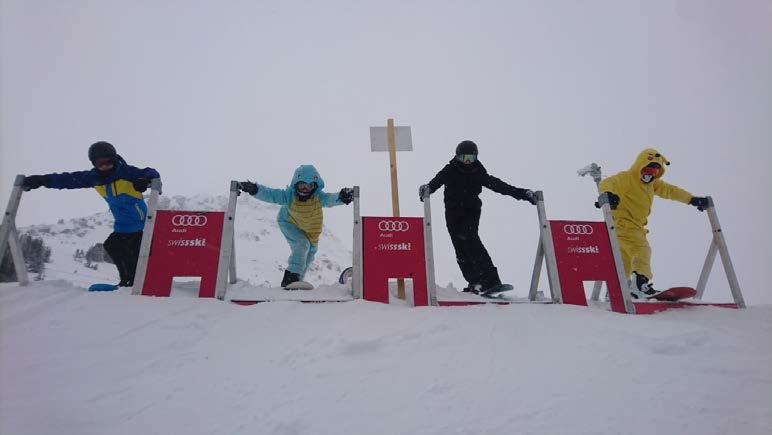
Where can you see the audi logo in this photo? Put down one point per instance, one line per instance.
(399, 226)
(189, 220)
(578, 229)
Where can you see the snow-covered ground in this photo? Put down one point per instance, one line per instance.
(73, 362)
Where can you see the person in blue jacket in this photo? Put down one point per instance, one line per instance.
(300, 217)
(121, 185)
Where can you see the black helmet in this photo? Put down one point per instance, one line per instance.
(101, 149)
(466, 147)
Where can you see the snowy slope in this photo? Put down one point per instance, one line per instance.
(73, 362)
(261, 249)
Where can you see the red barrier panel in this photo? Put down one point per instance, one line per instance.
(393, 248)
(583, 253)
(185, 243)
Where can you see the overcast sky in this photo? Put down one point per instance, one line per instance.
(208, 91)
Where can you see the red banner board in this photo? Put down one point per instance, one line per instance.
(393, 248)
(185, 243)
(583, 253)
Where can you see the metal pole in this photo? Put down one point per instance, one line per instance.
(549, 250)
(720, 240)
(429, 250)
(147, 237)
(596, 287)
(232, 273)
(17, 254)
(357, 275)
(10, 213)
(594, 170)
(536, 275)
(9, 236)
(618, 264)
(707, 267)
(226, 261)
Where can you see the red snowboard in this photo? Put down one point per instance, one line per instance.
(675, 294)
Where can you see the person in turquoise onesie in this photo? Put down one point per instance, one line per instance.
(300, 217)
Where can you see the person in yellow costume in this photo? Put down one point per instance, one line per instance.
(631, 194)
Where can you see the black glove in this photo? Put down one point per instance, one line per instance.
(346, 195)
(530, 196)
(613, 200)
(700, 202)
(249, 187)
(33, 182)
(140, 184)
(422, 191)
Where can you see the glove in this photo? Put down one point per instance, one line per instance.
(33, 182)
(422, 191)
(700, 202)
(248, 187)
(530, 196)
(613, 200)
(140, 184)
(346, 195)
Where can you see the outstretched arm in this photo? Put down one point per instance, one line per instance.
(669, 191)
(503, 188)
(274, 196)
(70, 180)
(134, 173)
(439, 179)
(611, 184)
(330, 199)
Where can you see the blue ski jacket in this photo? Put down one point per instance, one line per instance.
(117, 189)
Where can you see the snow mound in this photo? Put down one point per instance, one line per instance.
(73, 362)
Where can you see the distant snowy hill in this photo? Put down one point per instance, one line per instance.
(260, 247)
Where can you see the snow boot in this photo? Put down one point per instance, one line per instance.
(641, 288)
(472, 288)
(490, 281)
(289, 278)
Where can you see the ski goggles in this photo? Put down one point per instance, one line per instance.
(467, 158)
(305, 187)
(104, 163)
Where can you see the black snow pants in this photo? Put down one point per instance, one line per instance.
(123, 248)
(472, 257)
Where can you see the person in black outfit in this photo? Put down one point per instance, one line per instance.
(464, 178)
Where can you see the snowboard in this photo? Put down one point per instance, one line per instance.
(299, 285)
(674, 294)
(102, 288)
(495, 292)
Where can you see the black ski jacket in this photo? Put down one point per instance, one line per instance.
(464, 183)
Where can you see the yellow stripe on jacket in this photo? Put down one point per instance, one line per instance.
(308, 217)
(119, 187)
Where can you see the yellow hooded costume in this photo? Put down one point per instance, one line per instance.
(631, 216)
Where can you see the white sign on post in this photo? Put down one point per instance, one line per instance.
(379, 139)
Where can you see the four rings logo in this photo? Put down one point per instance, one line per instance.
(189, 220)
(398, 226)
(577, 229)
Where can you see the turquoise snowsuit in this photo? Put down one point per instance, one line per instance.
(300, 221)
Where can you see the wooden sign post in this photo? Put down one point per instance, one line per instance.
(392, 139)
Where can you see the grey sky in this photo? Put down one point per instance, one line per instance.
(207, 91)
